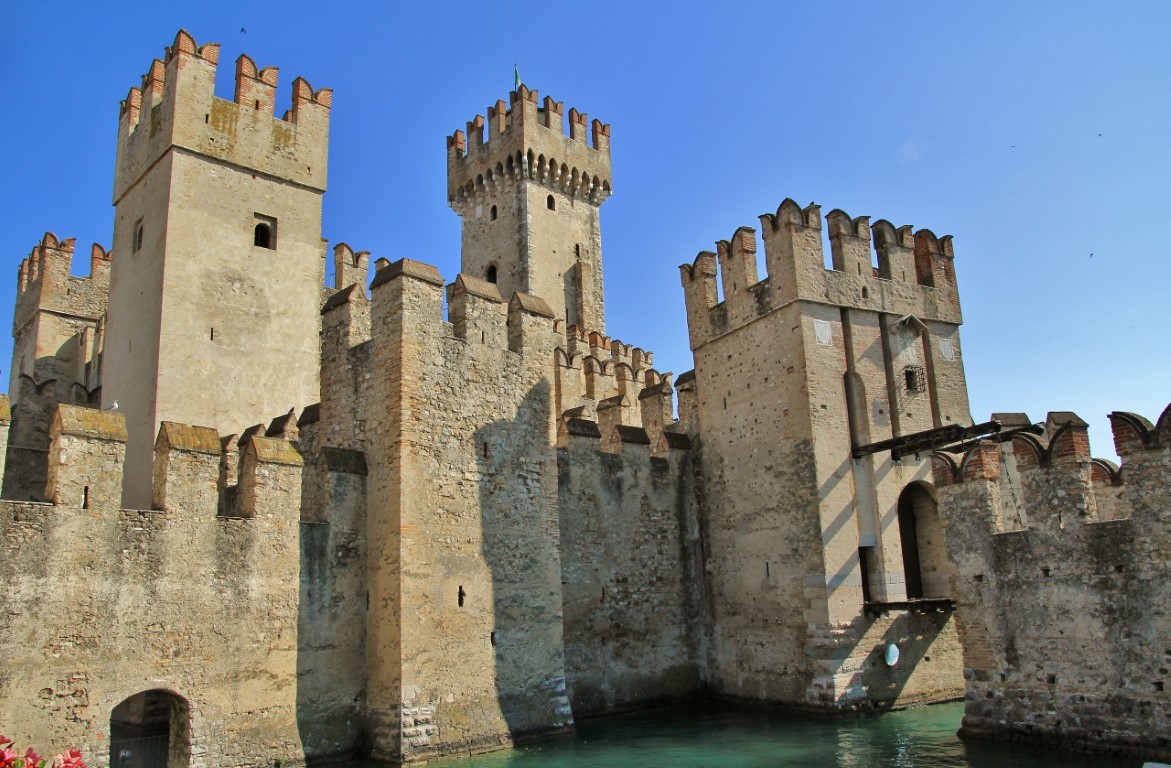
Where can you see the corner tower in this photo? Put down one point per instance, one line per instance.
(529, 197)
(213, 313)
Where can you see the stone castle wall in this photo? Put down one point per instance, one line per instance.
(631, 568)
(492, 523)
(1062, 601)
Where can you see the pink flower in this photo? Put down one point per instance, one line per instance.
(71, 759)
(32, 759)
(7, 755)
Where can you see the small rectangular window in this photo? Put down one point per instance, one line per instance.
(916, 378)
(264, 232)
(136, 240)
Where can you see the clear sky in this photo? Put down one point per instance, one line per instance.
(1034, 133)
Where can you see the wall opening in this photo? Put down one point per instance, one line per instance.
(264, 233)
(461, 595)
(550, 203)
(151, 729)
(492, 214)
(915, 378)
(490, 273)
(925, 566)
(136, 240)
(85, 497)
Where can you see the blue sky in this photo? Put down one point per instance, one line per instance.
(1034, 133)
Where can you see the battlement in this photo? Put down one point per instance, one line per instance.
(477, 313)
(527, 141)
(1052, 481)
(87, 454)
(175, 107)
(914, 275)
(44, 282)
(605, 375)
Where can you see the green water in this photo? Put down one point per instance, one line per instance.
(699, 737)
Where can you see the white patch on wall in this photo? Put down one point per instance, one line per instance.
(479, 211)
(905, 342)
(947, 350)
(823, 332)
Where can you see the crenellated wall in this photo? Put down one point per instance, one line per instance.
(608, 377)
(116, 602)
(1062, 585)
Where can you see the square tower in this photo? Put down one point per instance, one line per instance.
(213, 314)
(823, 555)
(529, 197)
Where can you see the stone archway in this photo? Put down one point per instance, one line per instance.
(151, 729)
(925, 564)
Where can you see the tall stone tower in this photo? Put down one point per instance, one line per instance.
(822, 555)
(529, 199)
(213, 313)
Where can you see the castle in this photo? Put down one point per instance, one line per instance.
(450, 534)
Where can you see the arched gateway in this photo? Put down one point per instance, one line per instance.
(151, 729)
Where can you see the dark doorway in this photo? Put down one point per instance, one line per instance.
(912, 572)
(151, 729)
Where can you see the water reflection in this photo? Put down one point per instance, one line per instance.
(709, 736)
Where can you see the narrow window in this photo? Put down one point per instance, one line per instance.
(136, 241)
(264, 233)
(213, 334)
(461, 595)
(550, 203)
(258, 104)
(915, 377)
(492, 215)
(492, 638)
(85, 497)
(490, 274)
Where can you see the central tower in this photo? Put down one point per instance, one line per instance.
(529, 198)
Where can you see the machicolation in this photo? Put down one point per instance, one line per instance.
(290, 522)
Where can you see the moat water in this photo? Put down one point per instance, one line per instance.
(710, 737)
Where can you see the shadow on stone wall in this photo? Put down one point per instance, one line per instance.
(521, 548)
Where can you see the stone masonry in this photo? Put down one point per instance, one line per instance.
(1062, 585)
(275, 522)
